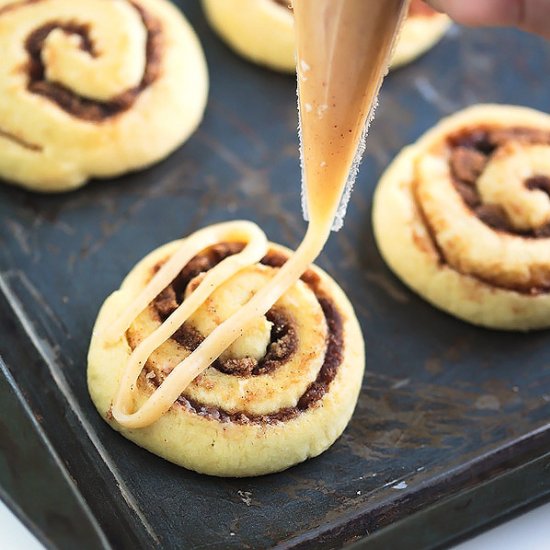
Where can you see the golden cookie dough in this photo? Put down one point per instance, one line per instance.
(260, 30)
(283, 392)
(93, 89)
(463, 216)
(263, 30)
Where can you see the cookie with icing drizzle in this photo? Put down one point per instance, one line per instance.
(94, 89)
(280, 391)
(463, 216)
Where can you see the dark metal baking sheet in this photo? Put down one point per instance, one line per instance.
(449, 415)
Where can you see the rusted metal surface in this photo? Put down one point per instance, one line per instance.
(445, 408)
(33, 480)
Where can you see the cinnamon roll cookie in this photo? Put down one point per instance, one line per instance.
(94, 88)
(263, 30)
(280, 391)
(463, 216)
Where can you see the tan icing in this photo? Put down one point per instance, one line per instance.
(343, 49)
(226, 301)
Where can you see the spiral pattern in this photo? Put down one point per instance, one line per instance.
(283, 391)
(472, 198)
(94, 88)
(282, 365)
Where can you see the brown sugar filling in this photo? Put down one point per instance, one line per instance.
(470, 151)
(81, 107)
(282, 345)
(283, 340)
(284, 3)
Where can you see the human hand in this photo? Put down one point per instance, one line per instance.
(529, 15)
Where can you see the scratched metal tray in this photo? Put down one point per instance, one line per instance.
(451, 430)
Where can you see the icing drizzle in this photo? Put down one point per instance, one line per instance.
(332, 135)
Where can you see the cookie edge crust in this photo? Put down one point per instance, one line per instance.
(407, 248)
(230, 449)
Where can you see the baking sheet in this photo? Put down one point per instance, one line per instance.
(445, 407)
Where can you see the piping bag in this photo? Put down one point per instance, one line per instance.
(343, 52)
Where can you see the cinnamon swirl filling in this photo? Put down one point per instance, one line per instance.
(89, 109)
(471, 150)
(501, 177)
(284, 3)
(283, 341)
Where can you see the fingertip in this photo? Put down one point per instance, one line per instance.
(475, 13)
(437, 5)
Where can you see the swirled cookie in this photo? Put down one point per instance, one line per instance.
(263, 30)
(94, 88)
(463, 216)
(282, 392)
